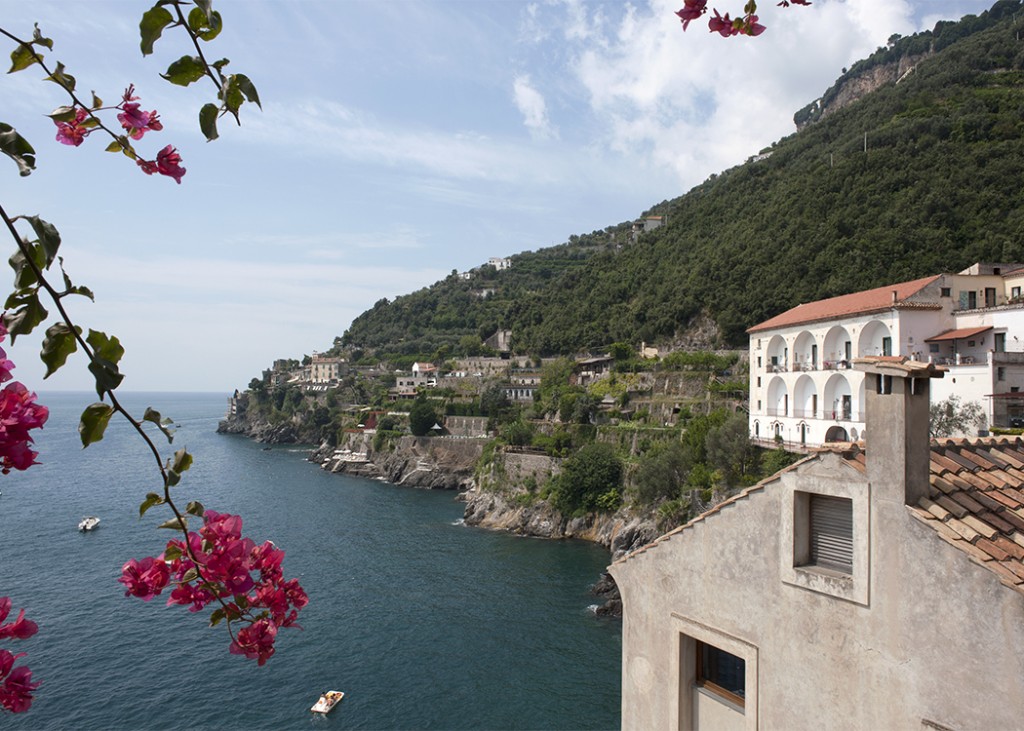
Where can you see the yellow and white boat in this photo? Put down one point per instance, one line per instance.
(327, 701)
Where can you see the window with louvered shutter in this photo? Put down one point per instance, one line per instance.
(831, 533)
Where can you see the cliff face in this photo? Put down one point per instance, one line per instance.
(261, 430)
(851, 87)
(620, 533)
(425, 462)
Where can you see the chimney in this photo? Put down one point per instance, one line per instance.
(896, 426)
(894, 296)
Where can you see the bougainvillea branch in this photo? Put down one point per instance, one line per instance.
(215, 565)
(742, 25)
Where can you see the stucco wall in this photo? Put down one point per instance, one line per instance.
(939, 638)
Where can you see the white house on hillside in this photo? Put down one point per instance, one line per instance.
(803, 390)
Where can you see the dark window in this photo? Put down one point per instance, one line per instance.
(999, 344)
(1000, 374)
(990, 296)
(830, 533)
(886, 346)
(944, 292)
(933, 347)
(721, 673)
(972, 300)
(1014, 292)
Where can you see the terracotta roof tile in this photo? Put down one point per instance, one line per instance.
(977, 502)
(871, 300)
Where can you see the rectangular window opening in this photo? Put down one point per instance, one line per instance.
(721, 673)
(830, 533)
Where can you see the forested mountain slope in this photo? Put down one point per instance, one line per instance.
(915, 178)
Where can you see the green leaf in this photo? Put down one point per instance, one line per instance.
(94, 422)
(69, 288)
(62, 114)
(96, 102)
(232, 95)
(175, 524)
(151, 499)
(216, 617)
(191, 575)
(39, 39)
(247, 88)
(208, 121)
(195, 508)
(29, 313)
(114, 146)
(48, 235)
(24, 274)
(18, 149)
(152, 26)
(58, 344)
(108, 348)
(62, 79)
(182, 461)
(204, 5)
(153, 416)
(107, 352)
(206, 26)
(219, 65)
(186, 70)
(106, 374)
(21, 58)
(173, 478)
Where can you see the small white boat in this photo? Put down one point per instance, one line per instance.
(327, 701)
(88, 523)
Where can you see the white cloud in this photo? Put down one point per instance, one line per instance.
(699, 103)
(531, 105)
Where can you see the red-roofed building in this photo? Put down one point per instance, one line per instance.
(803, 391)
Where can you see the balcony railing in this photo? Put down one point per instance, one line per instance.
(776, 412)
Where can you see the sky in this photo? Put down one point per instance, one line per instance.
(397, 142)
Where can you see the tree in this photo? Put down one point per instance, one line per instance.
(422, 417)
(953, 417)
(590, 480)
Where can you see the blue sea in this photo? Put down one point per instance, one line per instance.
(423, 622)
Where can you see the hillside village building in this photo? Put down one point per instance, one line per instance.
(325, 369)
(803, 390)
(877, 589)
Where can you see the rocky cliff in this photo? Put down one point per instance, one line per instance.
(855, 85)
(424, 462)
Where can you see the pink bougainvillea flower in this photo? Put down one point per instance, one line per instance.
(20, 628)
(722, 25)
(691, 10)
(137, 122)
(18, 414)
(73, 133)
(16, 691)
(751, 27)
(168, 162)
(148, 166)
(255, 641)
(146, 578)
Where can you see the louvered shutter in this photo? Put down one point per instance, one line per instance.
(832, 532)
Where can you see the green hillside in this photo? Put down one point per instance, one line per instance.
(940, 185)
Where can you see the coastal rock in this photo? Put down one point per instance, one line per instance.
(432, 463)
(619, 532)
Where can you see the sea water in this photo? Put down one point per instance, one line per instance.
(423, 622)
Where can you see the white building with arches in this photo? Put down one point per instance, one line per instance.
(803, 390)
